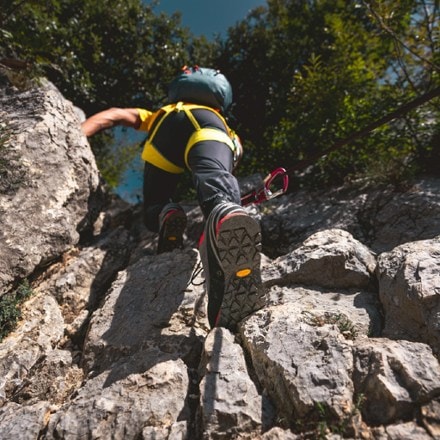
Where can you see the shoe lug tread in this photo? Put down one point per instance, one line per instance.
(238, 248)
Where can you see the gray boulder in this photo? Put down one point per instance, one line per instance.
(58, 190)
(409, 289)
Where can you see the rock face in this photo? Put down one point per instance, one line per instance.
(409, 287)
(114, 341)
(43, 214)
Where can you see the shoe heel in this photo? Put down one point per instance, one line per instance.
(171, 234)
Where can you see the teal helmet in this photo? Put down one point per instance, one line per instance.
(201, 85)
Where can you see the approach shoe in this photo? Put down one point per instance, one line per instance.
(230, 252)
(172, 224)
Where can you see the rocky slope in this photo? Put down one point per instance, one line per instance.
(114, 342)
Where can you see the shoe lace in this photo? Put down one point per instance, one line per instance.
(217, 213)
(196, 272)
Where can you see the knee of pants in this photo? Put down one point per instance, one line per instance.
(211, 166)
(214, 185)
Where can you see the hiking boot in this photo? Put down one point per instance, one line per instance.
(172, 224)
(230, 253)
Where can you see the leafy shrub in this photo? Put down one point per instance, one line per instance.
(10, 311)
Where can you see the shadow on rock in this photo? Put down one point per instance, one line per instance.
(149, 316)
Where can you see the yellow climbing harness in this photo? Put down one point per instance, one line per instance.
(152, 155)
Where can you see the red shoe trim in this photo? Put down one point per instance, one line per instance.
(201, 238)
(171, 212)
(226, 217)
(217, 318)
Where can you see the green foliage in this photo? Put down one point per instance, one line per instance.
(97, 52)
(304, 73)
(323, 69)
(10, 308)
(327, 425)
(114, 160)
(344, 325)
(260, 55)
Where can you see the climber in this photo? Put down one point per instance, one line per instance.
(192, 132)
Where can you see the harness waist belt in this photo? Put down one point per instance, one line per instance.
(152, 155)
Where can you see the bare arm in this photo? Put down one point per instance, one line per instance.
(110, 118)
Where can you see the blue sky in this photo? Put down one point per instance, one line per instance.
(208, 17)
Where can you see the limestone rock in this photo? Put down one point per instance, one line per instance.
(122, 409)
(58, 191)
(303, 367)
(355, 312)
(331, 258)
(55, 377)
(84, 275)
(396, 378)
(24, 422)
(430, 414)
(151, 304)
(380, 218)
(408, 430)
(230, 403)
(41, 328)
(279, 434)
(409, 289)
(400, 216)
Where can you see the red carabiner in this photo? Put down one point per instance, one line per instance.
(265, 193)
(279, 172)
